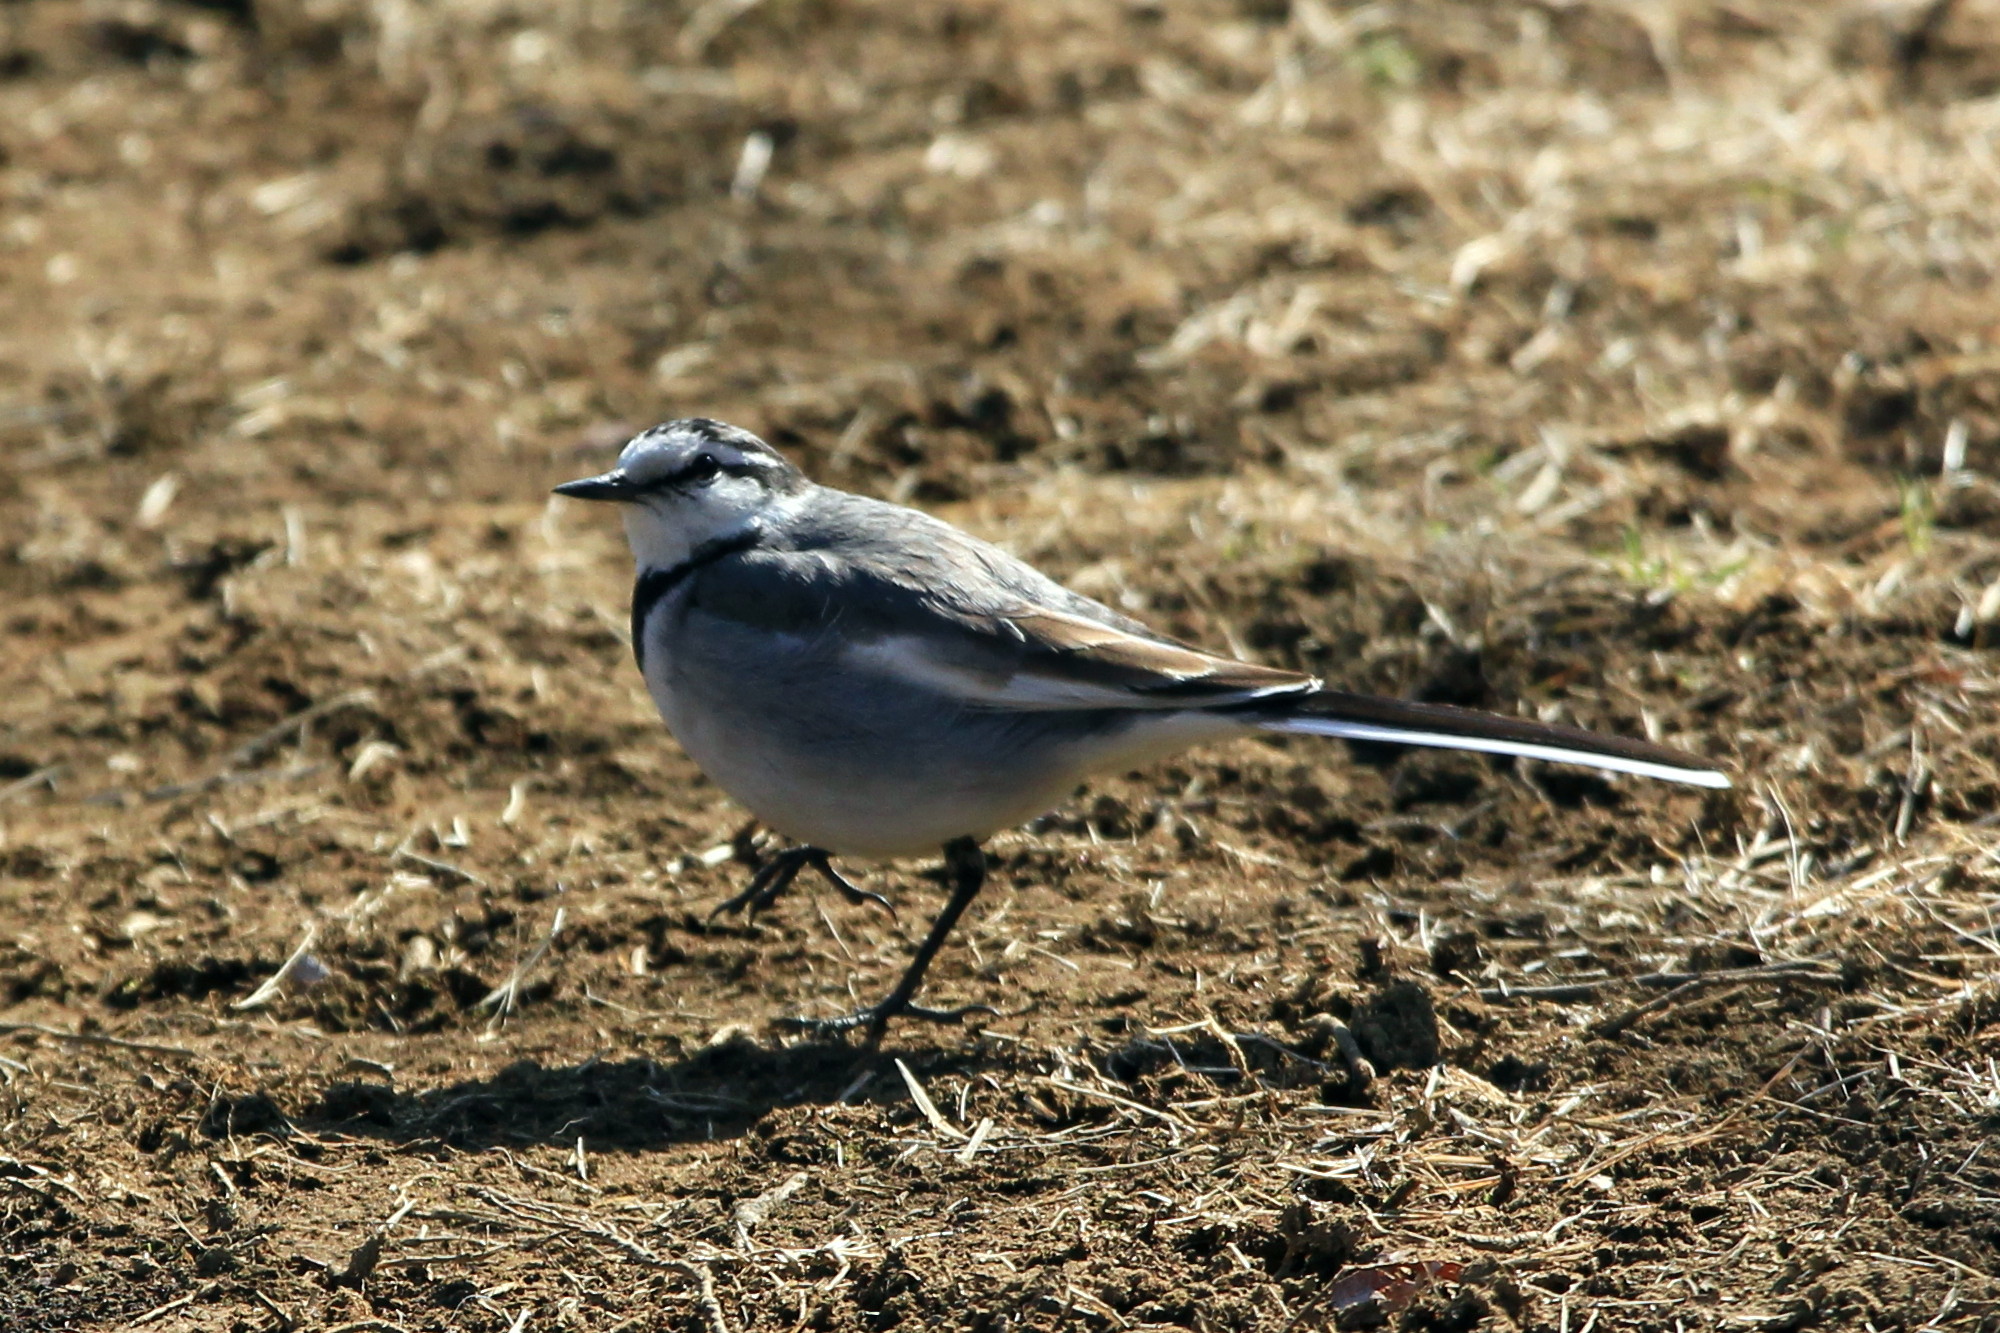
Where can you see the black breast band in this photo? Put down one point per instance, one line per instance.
(655, 584)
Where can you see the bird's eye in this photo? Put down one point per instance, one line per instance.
(703, 468)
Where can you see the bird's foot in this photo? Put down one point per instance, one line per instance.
(968, 866)
(767, 885)
(777, 874)
(876, 1017)
(849, 890)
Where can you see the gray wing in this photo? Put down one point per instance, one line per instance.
(894, 592)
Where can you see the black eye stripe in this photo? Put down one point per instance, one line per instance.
(702, 467)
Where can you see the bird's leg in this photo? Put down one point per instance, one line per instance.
(770, 881)
(967, 865)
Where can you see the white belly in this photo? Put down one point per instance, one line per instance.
(962, 775)
(860, 799)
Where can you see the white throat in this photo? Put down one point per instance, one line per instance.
(664, 537)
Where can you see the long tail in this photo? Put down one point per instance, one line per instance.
(1362, 717)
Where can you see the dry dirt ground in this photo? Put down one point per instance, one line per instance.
(1633, 363)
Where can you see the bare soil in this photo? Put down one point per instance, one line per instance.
(1631, 364)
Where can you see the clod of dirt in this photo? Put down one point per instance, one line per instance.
(1721, 957)
(358, 1101)
(454, 1294)
(1428, 780)
(138, 43)
(1458, 952)
(1375, 863)
(1700, 449)
(1398, 1027)
(228, 1117)
(215, 1261)
(1313, 1239)
(181, 978)
(1513, 1074)
(1371, 963)
(1463, 1312)
(533, 168)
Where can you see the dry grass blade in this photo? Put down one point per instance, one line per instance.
(404, 852)
(502, 998)
(975, 1142)
(264, 742)
(162, 1311)
(1124, 1103)
(710, 1304)
(1596, 986)
(750, 1214)
(41, 777)
(300, 971)
(286, 1320)
(1702, 983)
(100, 1039)
(927, 1106)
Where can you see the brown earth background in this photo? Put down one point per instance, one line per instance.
(1628, 363)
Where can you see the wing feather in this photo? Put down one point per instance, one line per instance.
(894, 593)
(1040, 660)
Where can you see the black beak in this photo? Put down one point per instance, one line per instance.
(612, 485)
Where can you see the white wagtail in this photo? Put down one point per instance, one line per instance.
(871, 681)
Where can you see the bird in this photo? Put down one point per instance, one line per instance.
(873, 682)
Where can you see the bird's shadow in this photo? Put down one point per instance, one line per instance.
(638, 1104)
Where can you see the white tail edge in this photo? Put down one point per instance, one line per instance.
(1369, 731)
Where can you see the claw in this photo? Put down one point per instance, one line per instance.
(853, 892)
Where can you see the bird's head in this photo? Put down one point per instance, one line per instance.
(687, 482)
